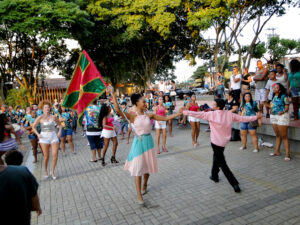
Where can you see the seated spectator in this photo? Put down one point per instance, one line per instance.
(18, 195)
(14, 158)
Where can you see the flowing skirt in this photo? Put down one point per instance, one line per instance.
(142, 157)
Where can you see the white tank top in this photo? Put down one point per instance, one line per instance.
(281, 79)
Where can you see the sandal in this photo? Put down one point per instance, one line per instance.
(273, 154)
(287, 158)
(143, 192)
(103, 162)
(113, 160)
(93, 160)
(164, 149)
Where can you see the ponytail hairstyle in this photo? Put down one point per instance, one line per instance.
(103, 113)
(3, 122)
(135, 98)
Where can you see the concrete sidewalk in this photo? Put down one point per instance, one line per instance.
(180, 193)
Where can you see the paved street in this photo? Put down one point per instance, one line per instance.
(181, 193)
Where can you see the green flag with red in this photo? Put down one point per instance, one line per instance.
(86, 85)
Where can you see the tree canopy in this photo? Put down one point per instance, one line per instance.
(33, 34)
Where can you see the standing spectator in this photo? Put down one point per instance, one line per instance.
(182, 118)
(161, 86)
(260, 79)
(232, 105)
(220, 85)
(67, 131)
(124, 121)
(168, 88)
(31, 135)
(6, 141)
(108, 133)
(173, 90)
(74, 120)
(294, 78)
(246, 80)
(282, 76)
(161, 126)
(280, 119)
(4, 109)
(235, 83)
(93, 131)
(249, 108)
(149, 101)
(269, 88)
(195, 122)
(18, 195)
(35, 107)
(122, 99)
(170, 106)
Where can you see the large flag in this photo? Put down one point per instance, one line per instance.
(86, 85)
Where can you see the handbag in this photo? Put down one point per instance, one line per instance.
(235, 135)
(173, 93)
(254, 123)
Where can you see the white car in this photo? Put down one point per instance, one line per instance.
(201, 91)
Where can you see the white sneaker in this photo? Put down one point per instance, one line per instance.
(242, 148)
(255, 150)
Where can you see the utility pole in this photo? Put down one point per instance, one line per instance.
(272, 29)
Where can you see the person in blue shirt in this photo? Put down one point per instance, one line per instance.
(122, 99)
(31, 135)
(220, 85)
(74, 120)
(67, 131)
(93, 132)
(149, 101)
(35, 107)
(280, 119)
(248, 108)
(124, 122)
(170, 106)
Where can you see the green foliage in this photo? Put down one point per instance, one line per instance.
(18, 97)
(139, 40)
(259, 50)
(200, 72)
(278, 48)
(137, 15)
(34, 32)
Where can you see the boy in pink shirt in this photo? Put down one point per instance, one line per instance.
(220, 122)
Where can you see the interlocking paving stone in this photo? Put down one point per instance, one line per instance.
(181, 193)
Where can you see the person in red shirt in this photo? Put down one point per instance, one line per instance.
(108, 133)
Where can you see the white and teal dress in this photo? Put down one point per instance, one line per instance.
(142, 157)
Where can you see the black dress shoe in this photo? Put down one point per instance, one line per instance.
(216, 180)
(237, 188)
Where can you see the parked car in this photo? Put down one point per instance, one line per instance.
(181, 92)
(200, 91)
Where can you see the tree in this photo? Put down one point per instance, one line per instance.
(200, 72)
(154, 32)
(278, 48)
(33, 33)
(18, 97)
(229, 18)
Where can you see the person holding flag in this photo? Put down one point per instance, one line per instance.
(86, 86)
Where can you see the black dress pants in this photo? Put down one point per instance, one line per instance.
(220, 162)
